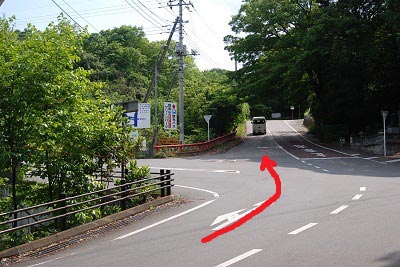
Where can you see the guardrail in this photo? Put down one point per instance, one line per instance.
(59, 210)
(196, 147)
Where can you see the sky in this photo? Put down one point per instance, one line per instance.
(206, 27)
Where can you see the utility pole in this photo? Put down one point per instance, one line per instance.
(181, 77)
(180, 50)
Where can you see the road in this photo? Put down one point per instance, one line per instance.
(335, 210)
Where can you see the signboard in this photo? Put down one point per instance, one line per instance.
(170, 115)
(168, 141)
(141, 118)
(207, 118)
(276, 115)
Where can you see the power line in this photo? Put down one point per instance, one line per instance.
(68, 15)
(158, 26)
(81, 16)
(161, 19)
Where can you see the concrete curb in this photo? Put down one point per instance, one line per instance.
(83, 228)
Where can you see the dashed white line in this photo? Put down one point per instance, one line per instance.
(301, 229)
(363, 188)
(357, 197)
(317, 167)
(325, 170)
(371, 158)
(342, 208)
(239, 258)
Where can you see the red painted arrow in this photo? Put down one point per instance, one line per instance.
(266, 163)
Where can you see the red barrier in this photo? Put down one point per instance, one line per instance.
(196, 147)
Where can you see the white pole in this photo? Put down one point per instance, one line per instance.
(384, 136)
(208, 129)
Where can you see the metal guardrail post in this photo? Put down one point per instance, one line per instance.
(168, 173)
(162, 178)
(63, 220)
(123, 194)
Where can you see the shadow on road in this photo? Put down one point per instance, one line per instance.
(391, 259)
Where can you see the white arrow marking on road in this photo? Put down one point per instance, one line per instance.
(232, 217)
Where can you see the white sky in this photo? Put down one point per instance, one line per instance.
(208, 21)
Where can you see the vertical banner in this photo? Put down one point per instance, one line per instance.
(141, 118)
(170, 116)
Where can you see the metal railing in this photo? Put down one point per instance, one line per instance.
(59, 210)
(196, 147)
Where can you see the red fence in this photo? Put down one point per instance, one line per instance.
(197, 147)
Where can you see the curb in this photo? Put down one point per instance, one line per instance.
(82, 228)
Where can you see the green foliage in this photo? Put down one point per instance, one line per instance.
(261, 110)
(340, 58)
(330, 133)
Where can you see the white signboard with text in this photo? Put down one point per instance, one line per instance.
(142, 118)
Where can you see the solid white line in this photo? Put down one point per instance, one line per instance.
(332, 158)
(198, 170)
(165, 220)
(301, 229)
(357, 197)
(336, 211)
(393, 160)
(315, 143)
(363, 188)
(287, 152)
(216, 196)
(37, 264)
(239, 258)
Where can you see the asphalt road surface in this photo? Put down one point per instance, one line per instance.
(335, 210)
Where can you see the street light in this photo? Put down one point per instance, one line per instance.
(384, 115)
(292, 108)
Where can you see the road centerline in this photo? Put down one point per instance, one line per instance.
(340, 209)
(303, 228)
(239, 258)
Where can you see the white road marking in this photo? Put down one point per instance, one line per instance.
(198, 170)
(216, 196)
(317, 167)
(336, 211)
(290, 154)
(309, 164)
(337, 151)
(301, 229)
(363, 188)
(239, 258)
(37, 264)
(393, 160)
(357, 197)
(355, 154)
(325, 170)
(303, 161)
(371, 158)
(332, 158)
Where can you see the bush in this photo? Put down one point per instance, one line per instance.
(329, 133)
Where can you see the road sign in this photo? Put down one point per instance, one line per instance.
(207, 118)
(141, 118)
(170, 116)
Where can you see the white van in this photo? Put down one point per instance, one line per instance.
(259, 125)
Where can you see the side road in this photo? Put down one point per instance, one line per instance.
(298, 126)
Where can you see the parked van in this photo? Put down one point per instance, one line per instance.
(259, 125)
